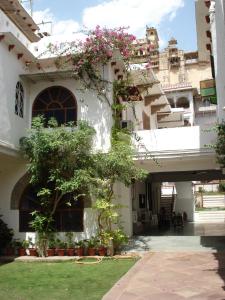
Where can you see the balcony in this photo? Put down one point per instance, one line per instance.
(175, 149)
(175, 141)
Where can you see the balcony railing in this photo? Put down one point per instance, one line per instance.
(175, 140)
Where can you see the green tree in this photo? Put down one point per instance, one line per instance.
(60, 161)
(220, 144)
(117, 165)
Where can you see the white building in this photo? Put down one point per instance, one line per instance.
(217, 20)
(180, 152)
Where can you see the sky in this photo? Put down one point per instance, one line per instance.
(172, 18)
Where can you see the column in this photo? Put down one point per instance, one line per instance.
(185, 199)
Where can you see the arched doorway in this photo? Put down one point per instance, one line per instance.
(66, 218)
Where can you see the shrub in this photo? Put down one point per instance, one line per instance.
(6, 235)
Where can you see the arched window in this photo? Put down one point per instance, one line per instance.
(57, 102)
(182, 103)
(19, 99)
(66, 218)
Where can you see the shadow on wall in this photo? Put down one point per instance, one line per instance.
(217, 243)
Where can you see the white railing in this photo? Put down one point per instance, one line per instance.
(177, 140)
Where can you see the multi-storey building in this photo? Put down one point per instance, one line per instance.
(167, 98)
(181, 75)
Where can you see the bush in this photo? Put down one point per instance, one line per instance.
(222, 187)
(6, 235)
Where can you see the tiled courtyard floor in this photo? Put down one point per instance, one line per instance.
(173, 276)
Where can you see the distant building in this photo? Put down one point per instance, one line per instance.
(217, 26)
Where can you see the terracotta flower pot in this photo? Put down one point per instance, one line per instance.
(70, 252)
(102, 251)
(91, 251)
(32, 252)
(79, 251)
(50, 252)
(22, 252)
(60, 252)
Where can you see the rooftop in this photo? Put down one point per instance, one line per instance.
(20, 17)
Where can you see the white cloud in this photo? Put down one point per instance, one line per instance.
(133, 13)
(60, 31)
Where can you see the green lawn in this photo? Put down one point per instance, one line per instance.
(64, 280)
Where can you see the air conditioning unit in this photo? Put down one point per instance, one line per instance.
(126, 124)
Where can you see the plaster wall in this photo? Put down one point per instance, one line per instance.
(194, 73)
(7, 25)
(218, 34)
(175, 139)
(123, 196)
(185, 199)
(11, 170)
(12, 127)
(201, 11)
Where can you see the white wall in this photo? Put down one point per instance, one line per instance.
(175, 139)
(7, 25)
(123, 197)
(12, 127)
(218, 39)
(185, 199)
(11, 170)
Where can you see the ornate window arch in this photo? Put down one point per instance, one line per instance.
(19, 100)
(57, 102)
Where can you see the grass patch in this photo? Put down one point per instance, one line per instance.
(65, 280)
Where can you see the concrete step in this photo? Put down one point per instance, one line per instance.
(209, 217)
(213, 201)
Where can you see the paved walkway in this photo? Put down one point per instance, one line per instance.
(176, 243)
(173, 276)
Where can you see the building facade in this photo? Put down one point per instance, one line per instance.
(168, 99)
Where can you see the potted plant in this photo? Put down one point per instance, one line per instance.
(102, 249)
(23, 245)
(91, 246)
(119, 239)
(60, 248)
(51, 246)
(70, 243)
(31, 247)
(79, 248)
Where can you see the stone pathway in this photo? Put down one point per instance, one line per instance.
(173, 276)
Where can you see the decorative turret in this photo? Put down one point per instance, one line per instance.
(152, 37)
(172, 43)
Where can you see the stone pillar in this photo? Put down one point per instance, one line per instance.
(191, 104)
(123, 197)
(185, 199)
(175, 100)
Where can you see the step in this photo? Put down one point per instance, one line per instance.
(209, 217)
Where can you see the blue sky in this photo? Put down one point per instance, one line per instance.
(171, 17)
